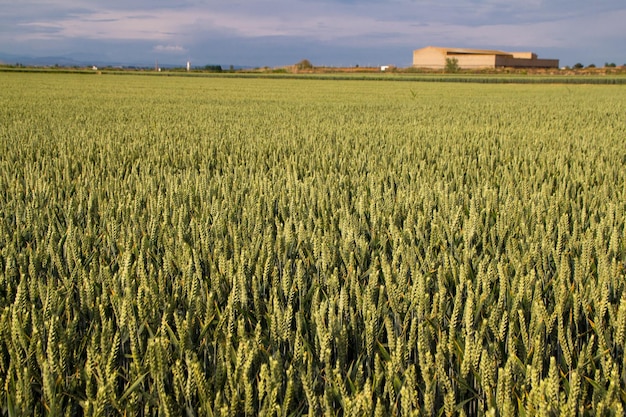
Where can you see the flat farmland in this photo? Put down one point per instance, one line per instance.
(258, 246)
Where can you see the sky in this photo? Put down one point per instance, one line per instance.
(326, 32)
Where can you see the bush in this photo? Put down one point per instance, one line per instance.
(213, 68)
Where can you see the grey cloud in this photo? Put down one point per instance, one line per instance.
(332, 30)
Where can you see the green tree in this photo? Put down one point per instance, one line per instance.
(452, 65)
(304, 65)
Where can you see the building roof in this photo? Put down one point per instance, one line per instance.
(468, 51)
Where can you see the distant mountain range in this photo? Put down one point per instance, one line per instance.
(63, 61)
(76, 61)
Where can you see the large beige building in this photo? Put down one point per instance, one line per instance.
(435, 57)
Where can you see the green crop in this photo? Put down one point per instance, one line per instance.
(217, 246)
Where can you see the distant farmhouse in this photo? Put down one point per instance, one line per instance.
(435, 58)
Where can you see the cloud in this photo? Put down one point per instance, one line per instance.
(42, 27)
(103, 25)
(324, 20)
(345, 25)
(171, 49)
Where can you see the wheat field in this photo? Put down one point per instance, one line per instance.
(280, 247)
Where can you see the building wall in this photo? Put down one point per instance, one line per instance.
(429, 58)
(505, 61)
(525, 55)
(474, 61)
(435, 58)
